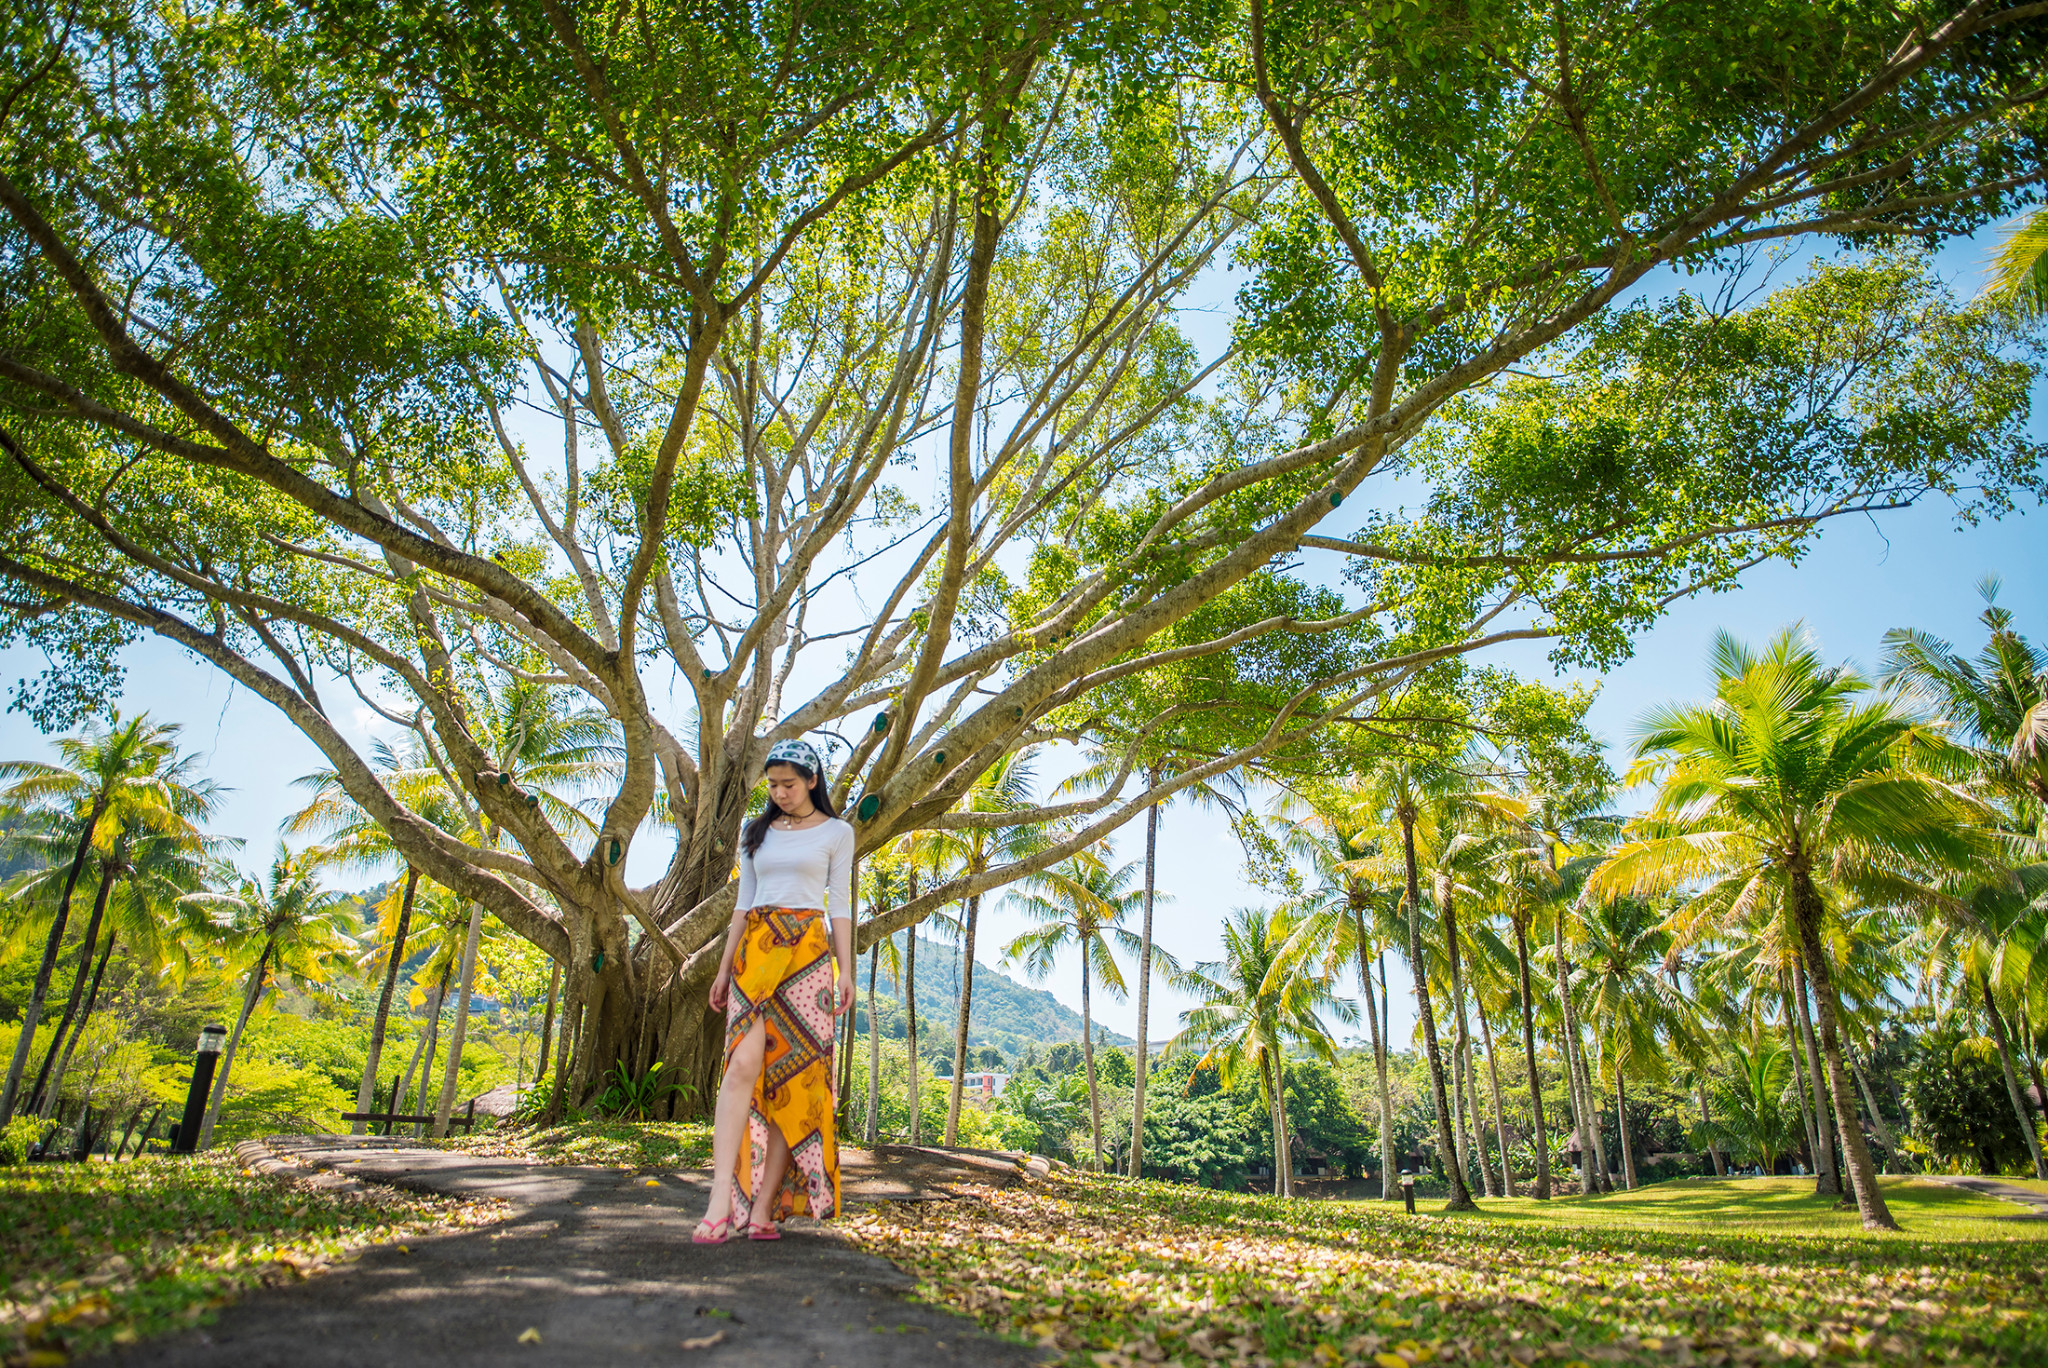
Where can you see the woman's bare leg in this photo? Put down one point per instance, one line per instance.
(772, 1169)
(729, 1127)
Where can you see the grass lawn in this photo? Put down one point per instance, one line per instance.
(93, 1255)
(1117, 1273)
(1777, 1206)
(619, 1144)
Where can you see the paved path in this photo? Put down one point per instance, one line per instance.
(597, 1263)
(2036, 1203)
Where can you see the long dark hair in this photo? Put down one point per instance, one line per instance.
(756, 829)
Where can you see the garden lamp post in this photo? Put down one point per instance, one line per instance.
(212, 1039)
(1408, 1191)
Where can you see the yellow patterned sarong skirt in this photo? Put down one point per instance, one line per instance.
(782, 976)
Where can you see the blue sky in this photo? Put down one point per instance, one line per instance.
(1915, 568)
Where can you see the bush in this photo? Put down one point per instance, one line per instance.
(16, 1137)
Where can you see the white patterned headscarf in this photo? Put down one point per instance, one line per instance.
(796, 752)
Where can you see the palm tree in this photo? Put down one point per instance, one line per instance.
(1348, 913)
(1638, 1016)
(1750, 1115)
(108, 781)
(1404, 791)
(1081, 903)
(1998, 701)
(150, 876)
(1225, 791)
(354, 841)
(299, 932)
(1003, 789)
(1789, 780)
(1255, 1003)
(2019, 279)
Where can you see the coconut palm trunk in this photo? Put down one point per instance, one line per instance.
(53, 945)
(547, 1022)
(1461, 1196)
(1877, 1121)
(874, 1051)
(1088, 1060)
(1713, 1147)
(1379, 1055)
(2021, 1112)
(1628, 1147)
(366, 1091)
(1500, 1119)
(42, 1091)
(1387, 1157)
(910, 1027)
(92, 995)
(1568, 1041)
(965, 979)
(1462, 1052)
(1828, 1179)
(250, 997)
(451, 1079)
(1540, 1139)
(1277, 1104)
(432, 1044)
(1797, 1050)
(1137, 1164)
(1870, 1202)
(1603, 1173)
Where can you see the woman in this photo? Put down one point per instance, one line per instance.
(775, 986)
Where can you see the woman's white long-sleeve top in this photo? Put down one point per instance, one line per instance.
(811, 867)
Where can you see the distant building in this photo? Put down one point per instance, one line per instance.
(984, 1084)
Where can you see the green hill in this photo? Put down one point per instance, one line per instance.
(1006, 1014)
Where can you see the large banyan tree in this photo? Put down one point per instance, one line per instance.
(864, 370)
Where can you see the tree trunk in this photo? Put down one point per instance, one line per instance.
(451, 1079)
(2021, 1111)
(92, 995)
(1707, 1119)
(1862, 1176)
(1540, 1141)
(1568, 1038)
(1388, 1190)
(87, 944)
(1628, 1147)
(1277, 1105)
(1500, 1120)
(1379, 1051)
(1088, 1059)
(965, 982)
(1877, 1121)
(1461, 1116)
(547, 1023)
(1799, 1087)
(1828, 1178)
(910, 1028)
(366, 1092)
(1603, 1175)
(1461, 1052)
(874, 1050)
(250, 997)
(52, 946)
(1137, 1163)
(1461, 1196)
(432, 1044)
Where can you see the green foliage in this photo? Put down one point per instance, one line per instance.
(1956, 1094)
(16, 1138)
(626, 1098)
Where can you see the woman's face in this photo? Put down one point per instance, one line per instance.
(788, 788)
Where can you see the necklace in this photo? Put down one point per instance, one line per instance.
(788, 820)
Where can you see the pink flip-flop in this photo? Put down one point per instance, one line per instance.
(762, 1232)
(713, 1232)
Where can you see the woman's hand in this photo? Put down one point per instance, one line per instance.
(845, 995)
(721, 987)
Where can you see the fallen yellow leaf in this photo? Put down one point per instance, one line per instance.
(1385, 1360)
(529, 1336)
(705, 1341)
